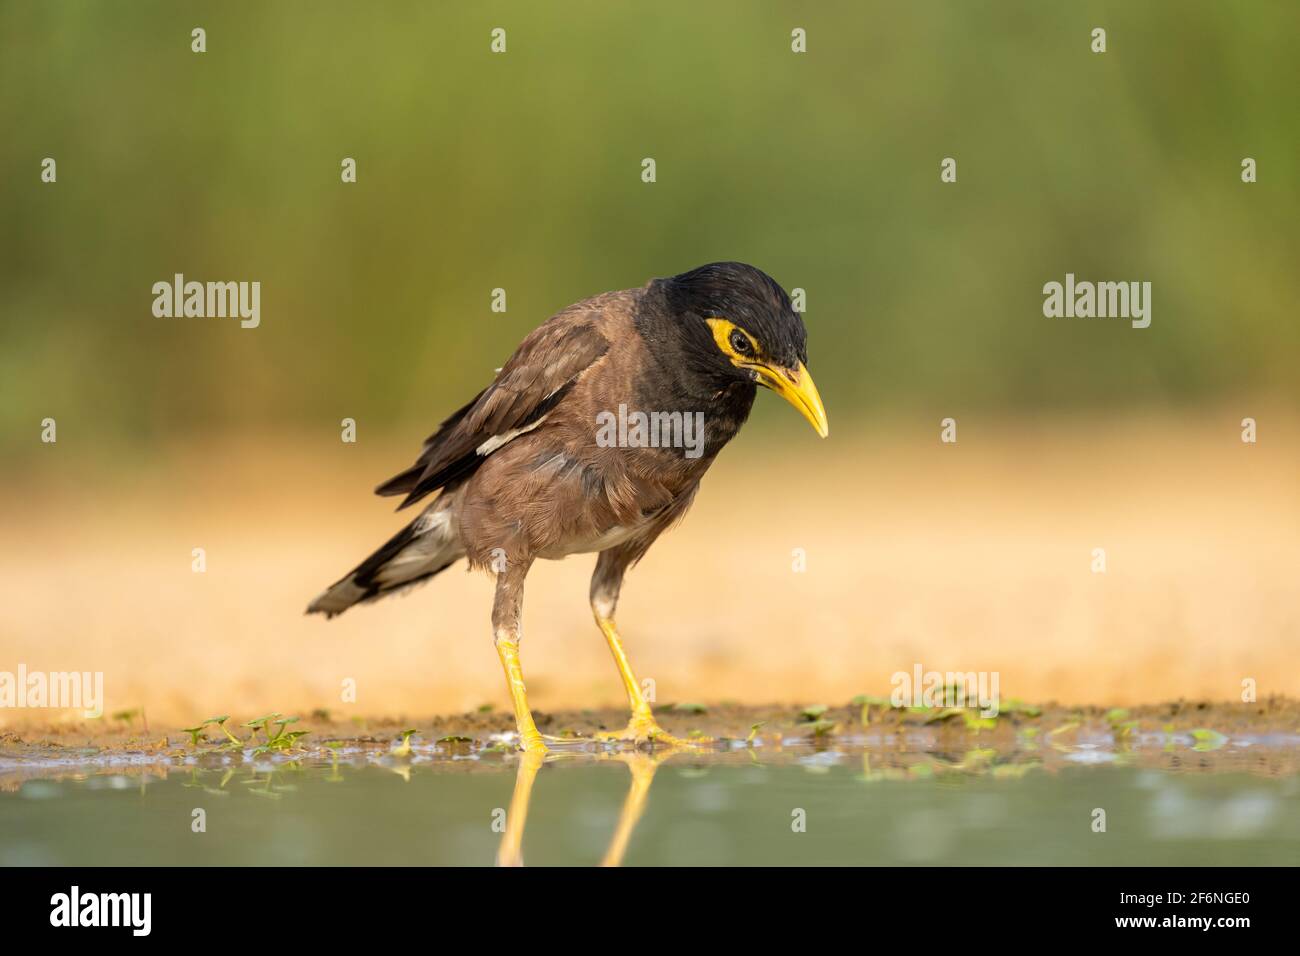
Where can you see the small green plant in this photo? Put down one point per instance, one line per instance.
(1017, 706)
(262, 724)
(1127, 729)
(866, 702)
(813, 712)
(1207, 739)
(947, 713)
(280, 742)
(403, 749)
(1120, 724)
(976, 721)
(280, 739)
(822, 728)
(687, 708)
(128, 717)
(972, 718)
(196, 732)
(220, 721)
(753, 732)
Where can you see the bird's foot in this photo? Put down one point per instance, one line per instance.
(532, 743)
(644, 729)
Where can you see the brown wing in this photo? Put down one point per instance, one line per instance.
(534, 380)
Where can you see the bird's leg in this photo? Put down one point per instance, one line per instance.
(506, 611)
(643, 727)
(511, 851)
(529, 738)
(643, 767)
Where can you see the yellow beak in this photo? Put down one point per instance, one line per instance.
(796, 387)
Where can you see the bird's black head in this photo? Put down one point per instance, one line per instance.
(741, 326)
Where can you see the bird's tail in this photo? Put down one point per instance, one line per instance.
(429, 544)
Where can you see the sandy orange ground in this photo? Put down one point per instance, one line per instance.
(968, 557)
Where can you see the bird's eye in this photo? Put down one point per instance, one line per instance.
(740, 343)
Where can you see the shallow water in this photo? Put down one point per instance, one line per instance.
(735, 807)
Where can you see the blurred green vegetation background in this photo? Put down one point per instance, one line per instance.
(522, 171)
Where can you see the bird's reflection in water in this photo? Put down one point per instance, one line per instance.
(641, 765)
(510, 853)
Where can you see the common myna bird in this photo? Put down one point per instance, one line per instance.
(589, 440)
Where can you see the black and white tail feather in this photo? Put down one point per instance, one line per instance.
(536, 378)
(429, 544)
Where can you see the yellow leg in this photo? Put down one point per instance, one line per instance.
(511, 851)
(642, 727)
(529, 739)
(643, 769)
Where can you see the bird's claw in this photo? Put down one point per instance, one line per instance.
(533, 744)
(644, 730)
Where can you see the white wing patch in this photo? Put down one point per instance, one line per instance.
(496, 441)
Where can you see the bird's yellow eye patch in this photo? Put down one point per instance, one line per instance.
(735, 343)
(795, 385)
